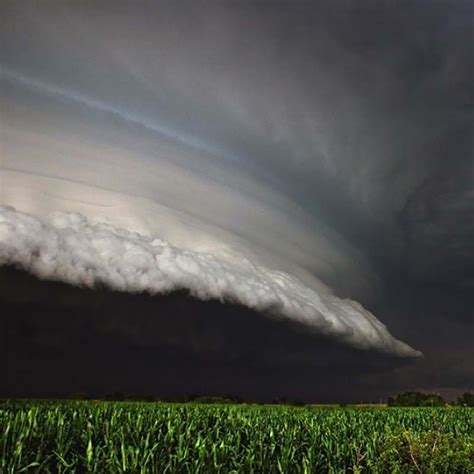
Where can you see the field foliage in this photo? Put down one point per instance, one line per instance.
(116, 437)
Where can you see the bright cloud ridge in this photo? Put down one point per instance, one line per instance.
(67, 247)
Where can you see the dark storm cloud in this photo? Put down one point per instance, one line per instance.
(437, 318)
(329, 140)
(73, 250)
(438, 219)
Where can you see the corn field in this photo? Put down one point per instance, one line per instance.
(88, 436)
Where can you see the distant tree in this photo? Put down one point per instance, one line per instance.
(433, 400)
(466, 399)
(234, 398)
(287, 401)
(416, 399)
(209, 399)
(80, 396)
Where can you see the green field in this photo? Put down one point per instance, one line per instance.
(88, 436)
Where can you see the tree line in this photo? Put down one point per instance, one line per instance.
(420, 399)
(405, 399)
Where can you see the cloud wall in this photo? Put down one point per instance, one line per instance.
(68, 248)
(295, 136)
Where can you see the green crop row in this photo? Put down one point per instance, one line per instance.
(190, 438)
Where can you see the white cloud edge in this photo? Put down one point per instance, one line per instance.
(67, 247)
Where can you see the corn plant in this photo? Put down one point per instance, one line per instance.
(135, 437)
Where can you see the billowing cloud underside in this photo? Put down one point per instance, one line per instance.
(67, 247)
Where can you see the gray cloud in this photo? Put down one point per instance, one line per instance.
(60, 149)
(70, 249)
(331, 141)
(341, 107)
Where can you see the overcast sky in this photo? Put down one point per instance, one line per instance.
(289, 163)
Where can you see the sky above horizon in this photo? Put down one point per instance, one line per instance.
(309, 162)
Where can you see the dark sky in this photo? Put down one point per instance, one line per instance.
(220, 186)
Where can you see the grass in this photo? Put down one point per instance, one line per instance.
(88, 436)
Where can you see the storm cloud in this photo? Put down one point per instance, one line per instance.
(304, 159)
(69, 249)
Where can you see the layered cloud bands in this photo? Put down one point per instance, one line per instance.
(249, 139)
(67, 247)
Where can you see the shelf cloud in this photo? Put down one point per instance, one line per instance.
(69, 249)
(312, 162)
